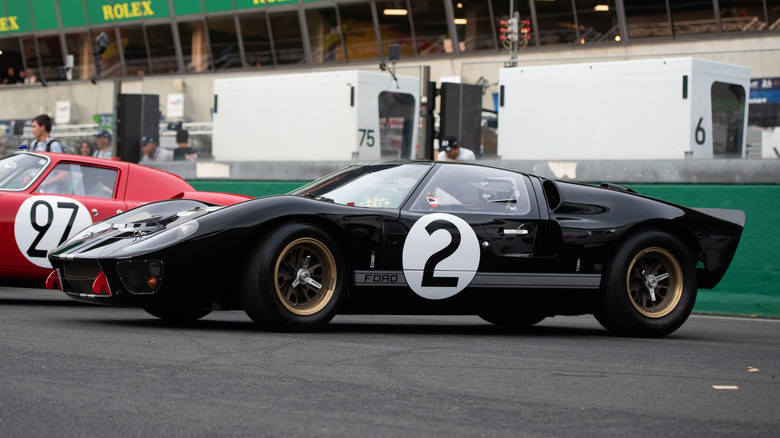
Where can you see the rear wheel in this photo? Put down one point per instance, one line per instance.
(649, 287)
(177, 315)
(295, 279)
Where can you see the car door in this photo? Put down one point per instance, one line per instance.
(469, 226)
(68, 198)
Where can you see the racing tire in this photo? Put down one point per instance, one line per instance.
(513, 320)
(295, 280)
(176, 315)
(649, 287)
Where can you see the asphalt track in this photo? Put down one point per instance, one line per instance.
(70, 369)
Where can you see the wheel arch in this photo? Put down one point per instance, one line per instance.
(676, 230)
(333, 230)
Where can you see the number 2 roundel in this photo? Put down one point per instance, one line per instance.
(44, 222)
(440, 256)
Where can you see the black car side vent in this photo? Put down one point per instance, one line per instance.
(616, 187)
(552, 194)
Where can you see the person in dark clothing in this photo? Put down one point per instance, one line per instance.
(184, 152)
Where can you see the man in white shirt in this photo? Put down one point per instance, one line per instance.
(450, 150)
(151, 152)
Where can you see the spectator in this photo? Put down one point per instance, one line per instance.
(450, 150)
(151, 152)
(29, 77)
(103, 145)
(41, 127)
(184, 151)
(85, 148)
(10, 76)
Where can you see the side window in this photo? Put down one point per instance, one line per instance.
(79, 180)
(99, 181)
(467, 189)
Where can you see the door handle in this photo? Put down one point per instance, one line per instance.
(514, 231)
(94, 212)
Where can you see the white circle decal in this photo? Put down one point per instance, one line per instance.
(440, 256)
(44, 222)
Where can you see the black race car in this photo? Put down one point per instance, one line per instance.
(410, 238)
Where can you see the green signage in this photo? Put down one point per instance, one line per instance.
(107, 11)
(17, 15)
(73, 13)
(187, 7)
(17, 18)
(218, 5)
(44, 11)
(250, 4)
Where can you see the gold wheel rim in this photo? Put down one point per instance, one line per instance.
(305, 276)
(654, 273)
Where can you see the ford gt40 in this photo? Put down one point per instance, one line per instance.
(410, 238)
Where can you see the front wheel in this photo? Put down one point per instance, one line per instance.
(649, 288)
(295, 280)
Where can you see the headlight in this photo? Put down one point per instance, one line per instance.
(163, 239)
(90, 231)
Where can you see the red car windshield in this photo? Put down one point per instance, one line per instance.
(18, 171)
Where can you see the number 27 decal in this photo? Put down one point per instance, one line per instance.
(33, 251)
(440, 256)
(44, 222)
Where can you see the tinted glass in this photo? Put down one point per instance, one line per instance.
(430, 27)
(134, 44)
(257, 42)
(18, 171)
(52, 62)
(597, 21)
(224, 42)
(358, 29)
(728, 119)
(394, 27)
(79, 180)
(474, 189)
(30, 55)
(194, 46)
(78, 46)
(693, 17)
(556, 23)
(288, 44)
(648, 19)
(324, 35)
(743, 16)
(474, 25)
(161, 49)
(382, 186)
(396, 116)
(110, 65)
(12, 56)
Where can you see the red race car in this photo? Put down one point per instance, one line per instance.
(47, 197)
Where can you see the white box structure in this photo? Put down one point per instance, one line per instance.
(670, 108)
(333, 116)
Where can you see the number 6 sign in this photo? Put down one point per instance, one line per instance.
(44, 222)
(440, 256)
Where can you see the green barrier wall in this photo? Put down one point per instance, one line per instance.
(750, 286)
(249, 188)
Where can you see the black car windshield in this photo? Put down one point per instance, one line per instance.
(18, 171)
(378, 186)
